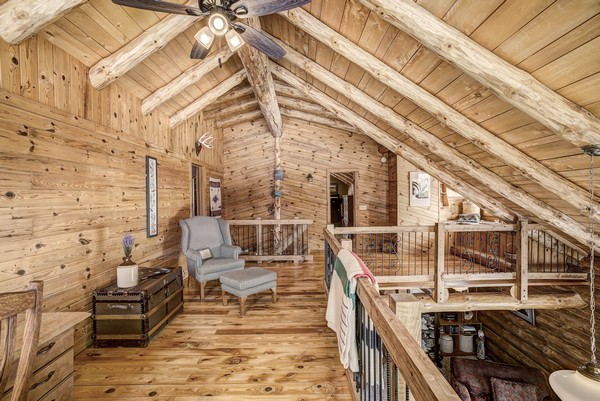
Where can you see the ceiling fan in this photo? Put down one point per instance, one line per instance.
(222, 21)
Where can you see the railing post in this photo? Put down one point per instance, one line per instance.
(521, 288)
(295, 245)
(346, 244)
(440, 289)
(259, 238)
(408, 310)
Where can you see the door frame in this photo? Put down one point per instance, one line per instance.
(355, 175)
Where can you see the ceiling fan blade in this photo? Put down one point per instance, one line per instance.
(256, 8)
(161, 6)
(259, 41)
(198, 51)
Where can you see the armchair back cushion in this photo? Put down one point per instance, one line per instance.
(203, 232)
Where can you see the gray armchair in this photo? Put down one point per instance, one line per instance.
(201, 232)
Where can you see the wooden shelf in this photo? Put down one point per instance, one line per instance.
(460, 321)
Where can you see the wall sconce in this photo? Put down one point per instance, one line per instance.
(309, 178)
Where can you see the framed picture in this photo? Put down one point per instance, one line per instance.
(333, 188)
(420, 189)
(151, 197)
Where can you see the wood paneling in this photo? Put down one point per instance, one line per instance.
(410, 215)
(72, 174)
(306, 149)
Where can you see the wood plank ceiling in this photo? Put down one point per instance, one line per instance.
(533, 171)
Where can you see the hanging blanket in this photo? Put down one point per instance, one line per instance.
(341, 304)
(215, 196)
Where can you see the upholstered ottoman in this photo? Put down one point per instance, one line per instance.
(252, 280)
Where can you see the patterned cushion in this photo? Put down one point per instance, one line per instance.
(506, 390)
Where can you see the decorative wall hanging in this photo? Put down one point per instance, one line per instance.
(420, 189)
(214, 185)
(151, 197)
(205, 141)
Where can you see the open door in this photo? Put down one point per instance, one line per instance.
(196, 190)
(342, 206)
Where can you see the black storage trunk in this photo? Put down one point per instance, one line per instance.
(131, 317)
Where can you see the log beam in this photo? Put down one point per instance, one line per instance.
(571, 122)
(543, 211)
(153, 39)
(21, 19)
(187, 78)
(209, 97)
(464, 302)
(239, 119)
(387, 140)
(259, 76)
(312, 118)
(525, 165)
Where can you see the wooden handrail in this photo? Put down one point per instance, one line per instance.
(334, 244)
(383, 230)
(423, 377)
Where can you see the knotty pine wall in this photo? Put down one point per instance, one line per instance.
(72, 177)
(306, 149)
(559, 339)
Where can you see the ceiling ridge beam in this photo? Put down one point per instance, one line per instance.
(401, 149)
(524, 164)
(519, 88)
(189, 77)
(21, 19)
(110, 68)
(543, 211)
(259, 75)
(197, 105)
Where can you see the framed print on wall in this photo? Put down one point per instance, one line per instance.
(151, 197)
(420, 189)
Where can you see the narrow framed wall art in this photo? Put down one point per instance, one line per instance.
(151, 197)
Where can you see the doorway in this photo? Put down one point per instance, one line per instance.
(343, 203)
(196, 190)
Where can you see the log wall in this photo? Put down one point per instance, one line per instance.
(559, 339)
(410, 215)
(306, 149)
(72, 177)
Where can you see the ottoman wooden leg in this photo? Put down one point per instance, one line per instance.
(224, 294)
(242, 306)
(202, 285)
(274, 294)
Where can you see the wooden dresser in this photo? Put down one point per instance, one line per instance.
(53, 370)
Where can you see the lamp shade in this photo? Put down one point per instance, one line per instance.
(234, 40)
(570, 385)
(205, 37)
(218, 24)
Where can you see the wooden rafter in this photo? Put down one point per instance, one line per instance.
(312, 118)
(261, 81)
(187, 78)
(401, 149)
(525, 165)
(571, 122)
(153, 39)
(200, 103)
(543, 211)
(20, 19)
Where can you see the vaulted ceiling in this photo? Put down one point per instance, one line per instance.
(493, 97)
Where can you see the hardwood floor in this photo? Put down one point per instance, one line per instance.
(281, 351)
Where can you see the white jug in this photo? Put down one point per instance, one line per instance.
(127, 276)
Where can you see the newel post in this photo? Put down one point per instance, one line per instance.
(521, 288)
(440, 289)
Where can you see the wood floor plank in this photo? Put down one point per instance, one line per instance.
(283, 351)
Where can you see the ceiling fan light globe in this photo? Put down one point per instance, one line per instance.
(234, 40)
(205, 37)
(218, 24)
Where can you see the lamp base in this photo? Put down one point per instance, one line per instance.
(590, 370)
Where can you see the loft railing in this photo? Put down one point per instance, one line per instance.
(272, 240)
(462, 256)
(390, 358)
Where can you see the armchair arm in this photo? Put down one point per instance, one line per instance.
(193, 255)
(230, 251)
